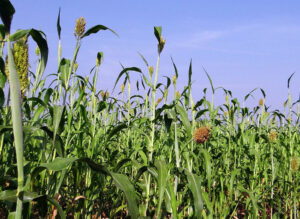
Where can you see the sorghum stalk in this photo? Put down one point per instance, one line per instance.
(151, 146)
(16, 110)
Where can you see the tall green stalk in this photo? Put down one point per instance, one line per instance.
(16, 109)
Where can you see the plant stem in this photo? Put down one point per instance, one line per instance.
(16, 110)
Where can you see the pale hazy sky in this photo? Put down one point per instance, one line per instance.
(242, 44)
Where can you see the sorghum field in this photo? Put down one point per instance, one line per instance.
(71, 150)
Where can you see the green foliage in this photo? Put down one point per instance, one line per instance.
(88, 153)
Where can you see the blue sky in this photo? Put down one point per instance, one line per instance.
(242, 44)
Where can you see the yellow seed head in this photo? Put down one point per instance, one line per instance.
(261, 102)
(177, 94)
(161, 44)
(37, 51)
(158, 101)
(106, 94)
(166, 93)
(201, 134)
(272, 135)
(150, 68)
(102, 94)
(294, 165)
(227, 99)
(20, 53)
(174, 79)
(122, 88)
(225, 113)
(75, 66)
(79, 27)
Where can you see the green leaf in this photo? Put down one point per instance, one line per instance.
(57, 206)
(19, 34)
(11, 195)
(190, 75)
(162, 183)
(125, 71)
(43, 46)
(123, 183)
(210, 81)
(64, 67)
(185, 120)
(143, 59)
(57, 115)
(58, 24)
(175, 68)
(95, 29)
(116, 129)
(2, 73)
(2, 32)
(207, 160)
(12, 215)
(59, 163)
(2, 97)
(7, 11)
(200, 113)
(195, 186)
(157, 33)
(100, 57)
(288, 82)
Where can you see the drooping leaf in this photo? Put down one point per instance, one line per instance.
(125, 71)
(194, 183)
(116, 129)
(19, 34)
(7, 11)
(11, 195)
(123, 183)
(95, 29)
(37, 36)
(59, 163)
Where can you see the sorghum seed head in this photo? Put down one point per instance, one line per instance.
(122, 87)
(201, 134)
(79, 27)
(294, 164)
(261, 102)
(20, 53)
(166, 93)
(75, 66)
(174, 79)
(227, 99)
(177, 94)
(161, 44)
(37, 51)
(102, 94)
(150, 68)
(272, 135)
(158, 101)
